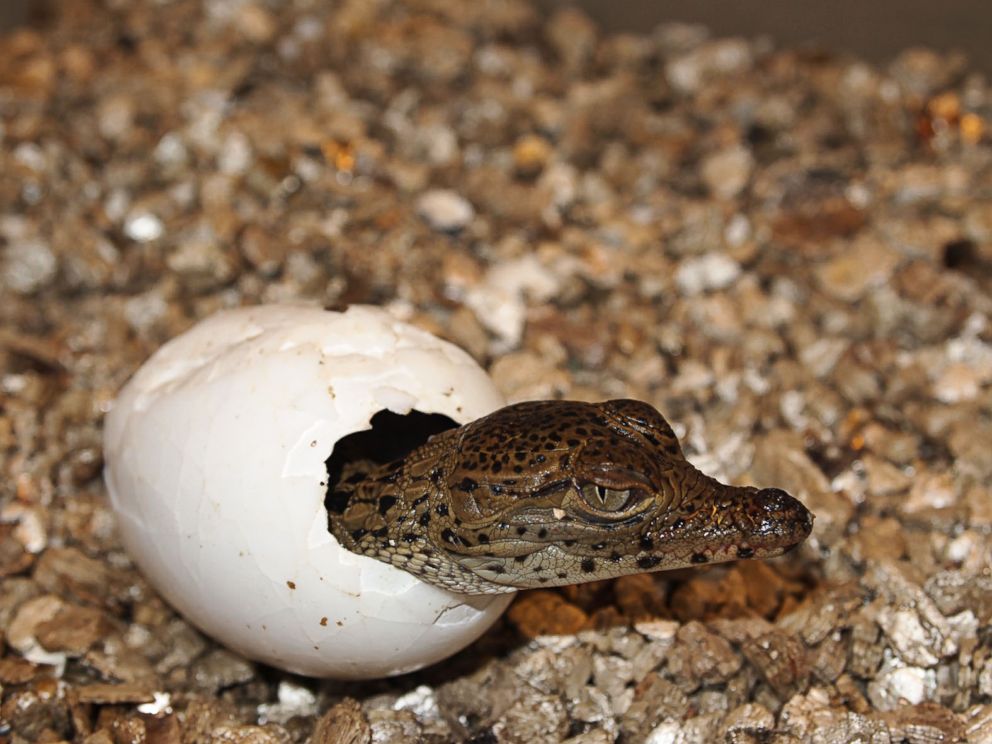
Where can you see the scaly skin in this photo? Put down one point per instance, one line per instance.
(555, 492)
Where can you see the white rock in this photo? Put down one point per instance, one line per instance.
(666, 732)
(706, 272)
(29, 265)
(143, 227)
(901, 685)
(445, 210)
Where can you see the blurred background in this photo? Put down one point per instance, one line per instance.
(874, 30)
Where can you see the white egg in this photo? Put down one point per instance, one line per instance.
(216, 453)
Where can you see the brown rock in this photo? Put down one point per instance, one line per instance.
(539, 613)
(73, 629)
(701, 657)
(343, 724)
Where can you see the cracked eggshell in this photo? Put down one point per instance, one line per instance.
(215, 455)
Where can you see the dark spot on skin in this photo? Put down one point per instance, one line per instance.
(541, 459)
(542, 579)
(648, 561)
(646, 543)
(599, 546)
(496, 568)
(442, 510)
(386, 503)
(467, 485)
(518, 468)
(483, 538)
(497, 466)
(542, 533)
(588, 565)
(562, 575)
(381, 532)
(355, 478)
(569, 543)
(519, 558)
(425, 519)
(615, 557)
(744, 552)
(699, 558)
(448, 536)
(573, 442)
(359, 534)
(521, 531)
(420, 500)
(409, 537)
(678, 524)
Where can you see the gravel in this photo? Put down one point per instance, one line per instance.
(788, 253)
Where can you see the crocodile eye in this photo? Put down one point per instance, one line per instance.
(601, 498)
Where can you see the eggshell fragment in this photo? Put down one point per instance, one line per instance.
(216, 455)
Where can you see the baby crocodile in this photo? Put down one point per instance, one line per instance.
(550, 493)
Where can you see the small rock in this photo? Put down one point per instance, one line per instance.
(573, 36)
(73, 629)
(901, 685)
(749, 719)
(688, 72)
(540, 613)
(143, 227)
(445, 210)
(849, 276)
(701, 657)
(530, 154)
(343, 724)
(958, 382)
(28, 266)
(931, 491)
(707, 272)
(728, 171)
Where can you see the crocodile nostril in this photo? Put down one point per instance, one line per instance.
(787, 512)
(775, 498)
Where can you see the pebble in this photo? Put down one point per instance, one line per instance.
(787, 253)
(143, 227)
(707, 272)
(28, 266)
(958, 383)
(858, 269)
(445, 210)
(726, 173)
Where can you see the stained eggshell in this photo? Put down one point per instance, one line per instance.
(216, 453)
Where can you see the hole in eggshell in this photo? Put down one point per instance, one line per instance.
(391, 437)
